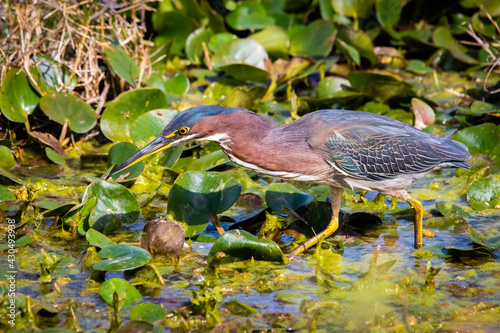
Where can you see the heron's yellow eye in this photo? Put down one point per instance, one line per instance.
(183, 130)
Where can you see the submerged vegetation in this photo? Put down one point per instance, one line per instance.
(86, 84)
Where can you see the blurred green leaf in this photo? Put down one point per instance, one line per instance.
(418, 67)
(51, 76)
(122, 63)
(479, 139)
(7, 161)
(147, 312)
(274, 39)
(360, 41)
(353, 8)
(54, 156)
(238, 245)
(194, 43)
(6, 195)
(249, 15)
(123, 111)
(63, 108)
(491, 243)
(379, 87)
(313, 40)
(17, 98)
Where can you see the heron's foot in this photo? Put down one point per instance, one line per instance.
(419, 216)
(330, 229)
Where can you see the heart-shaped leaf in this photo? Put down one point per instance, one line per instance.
(238, 245)
(121, 113)
(120, 257)
(198, 196)
(114, 204)
(126, 292)
(63, 108)
(17, 98)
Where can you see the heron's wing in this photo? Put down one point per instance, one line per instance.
(379, 153)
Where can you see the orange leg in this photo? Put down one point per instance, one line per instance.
(336, 198)
(417, 210)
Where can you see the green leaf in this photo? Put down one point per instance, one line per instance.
(95, 238)
(314, 40)
(7, 161)
(418, 67)
(147, 312)
(122, 63)
(63, 108)
(6, 195)
(243, 59)
(194, 43)
(379, 87)
(22, 241)
(284, 194)
(118, 154)
(198, 196)
(332, 86)
(353, 8)
(50, 76)
(208, 161)
(126, 292)
(54, 156)
(388, 13)
(240, 245)
(173, 27)
(491, 243)
(274, 39)
(120, 257)
(17, 98)
(122, 112)
(115, 204)
(484, 194)
(249, 15)
(359, 40)
(350, 51)
(448, 209)
(479, 139)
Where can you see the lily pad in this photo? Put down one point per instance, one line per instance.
(484, 194)
(63, 108)
(239, 245)
(118, 154)
(313, 40)
(479, 139)
(17, 98)
(194, 43)
(120, 257)
(284, 194)
(127, 293)
(114, 204)
(95, 238)
(379, 87)
(147, 312)
(122, 63)
(198, 196)
(490, 243)
(121, 113)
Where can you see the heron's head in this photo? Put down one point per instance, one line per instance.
(196, 123)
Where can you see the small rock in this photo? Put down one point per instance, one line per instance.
(162, 237)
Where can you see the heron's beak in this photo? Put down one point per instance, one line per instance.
(157, 145)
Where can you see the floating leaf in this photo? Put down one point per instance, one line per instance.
(118, 154)
(240, 245)
(120, 257)
(95, 238)
(198, 196)
(122, 112)
(54, 156)
(6, 195)
(126, 292)
(448, 209)
(418, 67)
(63, 108)
(122, 63)
(284, 194)
(17, 98)
(479, 139)
(22, 241)
(114, 204)
(484, 194)
(424, 114)
(147, 312)
(313, 40)
(491, 243)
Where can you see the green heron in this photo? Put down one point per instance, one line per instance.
(344, 149)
